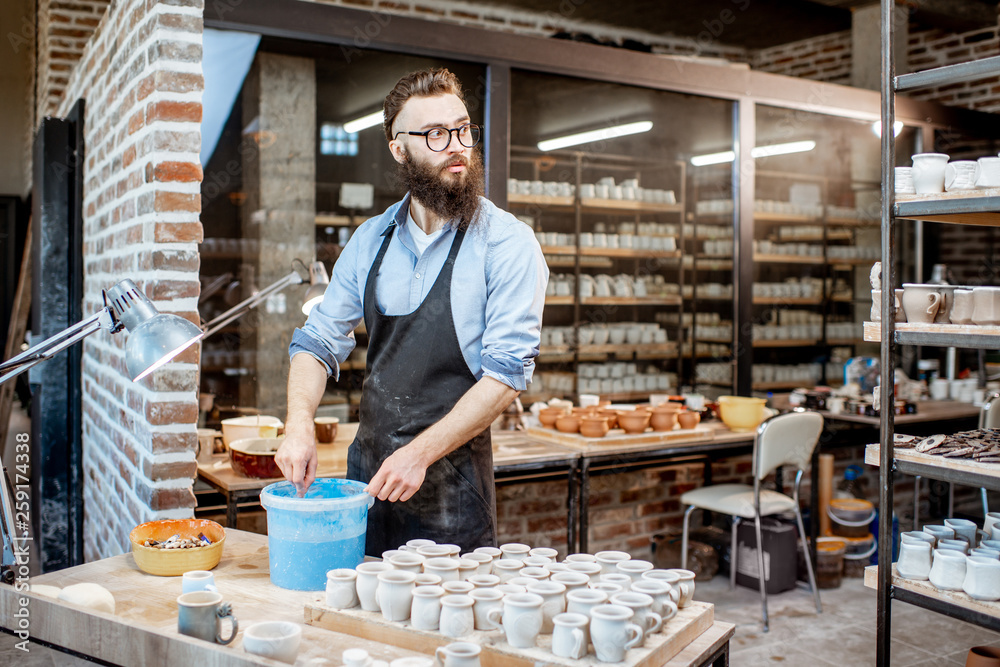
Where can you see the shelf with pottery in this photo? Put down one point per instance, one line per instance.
(569, 262)
(966, 472)
(831, 235)
(596, 252)
(668, 300)
(942, 335)
(593, 204)
(787, 259)
(785, 384)
(665, 349)
(791, 342)
(965, 207)
(551, 202)
(852, 222)
(988, 612)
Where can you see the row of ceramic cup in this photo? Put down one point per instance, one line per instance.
(606, 240)
(201, 610)
(932, 173)
(725, 207)
(604, 285)
(946, 555)
(791, 288)
(709, 290)
(942, 304)
(629, 189)
(522, 591)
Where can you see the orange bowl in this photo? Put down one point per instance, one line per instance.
(175, 562)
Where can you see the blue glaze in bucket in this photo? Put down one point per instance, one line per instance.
(309, 536)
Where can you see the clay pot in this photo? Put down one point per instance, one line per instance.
(610, 415)
(688, 418)
(663, 420)
(568, 424)
(594, 426)
(633, 421)
(669, 406)
(548, 416)
(983, 656)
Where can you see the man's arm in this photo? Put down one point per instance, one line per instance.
(296, 456)
(402, 473)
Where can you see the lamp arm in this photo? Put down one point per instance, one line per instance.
(250, 302)
(103, 319)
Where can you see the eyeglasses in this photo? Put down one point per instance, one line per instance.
(439, 138)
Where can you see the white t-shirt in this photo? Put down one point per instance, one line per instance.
(420, 239)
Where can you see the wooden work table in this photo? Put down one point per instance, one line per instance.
(143, 629)
(927, 411)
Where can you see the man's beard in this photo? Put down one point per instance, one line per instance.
(447, 195)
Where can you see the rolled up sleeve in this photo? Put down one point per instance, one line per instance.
(516, 275)
(328, 334)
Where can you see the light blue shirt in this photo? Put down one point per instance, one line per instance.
(497, 291)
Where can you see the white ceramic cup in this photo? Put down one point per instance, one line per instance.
(507, 568)
(904, 181)
(457, 618)
(553, 596)
(426, 579)
(407, 561)
(570, 636)
(484, 562)
(592, 570)
(914, 560)
(964, 307)
(458, 587)
(642, 608)
(549, 552)
(610, 559)
(278, 640)
(964, 530)
(991, 526)
(613, 632)
(484, 580)
(928, 172)
(686, 585)
(492, 552)
(367, 583)
(988, 172)
(485, 599)
(571, 580)
(634, 568)
(341, 588)
(198, 580)
(444, 567)
(982, 578)
(955, 544)
(425, 613)
(948, 570)
(665, 596)
(394, 594)
(960, 175)
(939, 531)
(520, 617)
(458, 654)
(515, 550)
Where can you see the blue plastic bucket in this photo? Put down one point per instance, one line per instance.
(309, 536)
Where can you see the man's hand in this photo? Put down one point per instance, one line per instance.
(399, 476)
(296, 458)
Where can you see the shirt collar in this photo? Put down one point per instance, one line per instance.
(399, 219)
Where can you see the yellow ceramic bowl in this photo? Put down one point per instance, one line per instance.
(257, 426)
(741, 413)
(175, 562)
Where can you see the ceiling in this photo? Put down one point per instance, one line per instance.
(751, 24)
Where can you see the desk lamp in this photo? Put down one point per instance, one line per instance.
(154, 339)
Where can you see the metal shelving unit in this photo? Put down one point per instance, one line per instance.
(982, 208)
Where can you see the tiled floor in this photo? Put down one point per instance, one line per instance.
(843, 635)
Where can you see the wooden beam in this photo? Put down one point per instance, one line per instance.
(955, 15)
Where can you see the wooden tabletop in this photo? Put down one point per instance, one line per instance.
(927, 411)
(143, 629)
(617, 442)
(510, 449)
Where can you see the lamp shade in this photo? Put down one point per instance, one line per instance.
(154, 338)
(319, 281)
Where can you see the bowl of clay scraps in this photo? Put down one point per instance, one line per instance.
(171, 547)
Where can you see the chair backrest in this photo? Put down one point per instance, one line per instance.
(787, 439)
(989, 414)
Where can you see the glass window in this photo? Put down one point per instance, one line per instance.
(602, 172)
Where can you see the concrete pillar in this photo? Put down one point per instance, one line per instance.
(279, 178)
(866, 44)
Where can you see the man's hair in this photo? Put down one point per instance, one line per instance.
(424, 83)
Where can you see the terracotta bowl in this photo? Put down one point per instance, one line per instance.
(633, 421)
(254, 457)
(610, 415)
(175, 562)
(688, 418)
(548, 416)
(663, 420)
(594, 426)
(568, 424)
(669, 406)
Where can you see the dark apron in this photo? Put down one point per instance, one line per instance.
(415, 375)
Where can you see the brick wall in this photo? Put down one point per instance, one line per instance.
(826, 58)
(141, 77)
(935, 48)
(64, 29)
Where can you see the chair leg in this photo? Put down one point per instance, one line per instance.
(684, 537)
(733, 551)
(809, 565)
(760, 570)
(986, 504)
(916, 502)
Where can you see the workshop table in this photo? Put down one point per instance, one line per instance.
(516, 459)
(143, 629)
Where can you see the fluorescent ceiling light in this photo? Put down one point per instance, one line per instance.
(897, 127)
(595, 135)
(713, 158)
(756, 151)
(363, 123)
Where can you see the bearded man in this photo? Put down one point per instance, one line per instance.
(451, 291)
